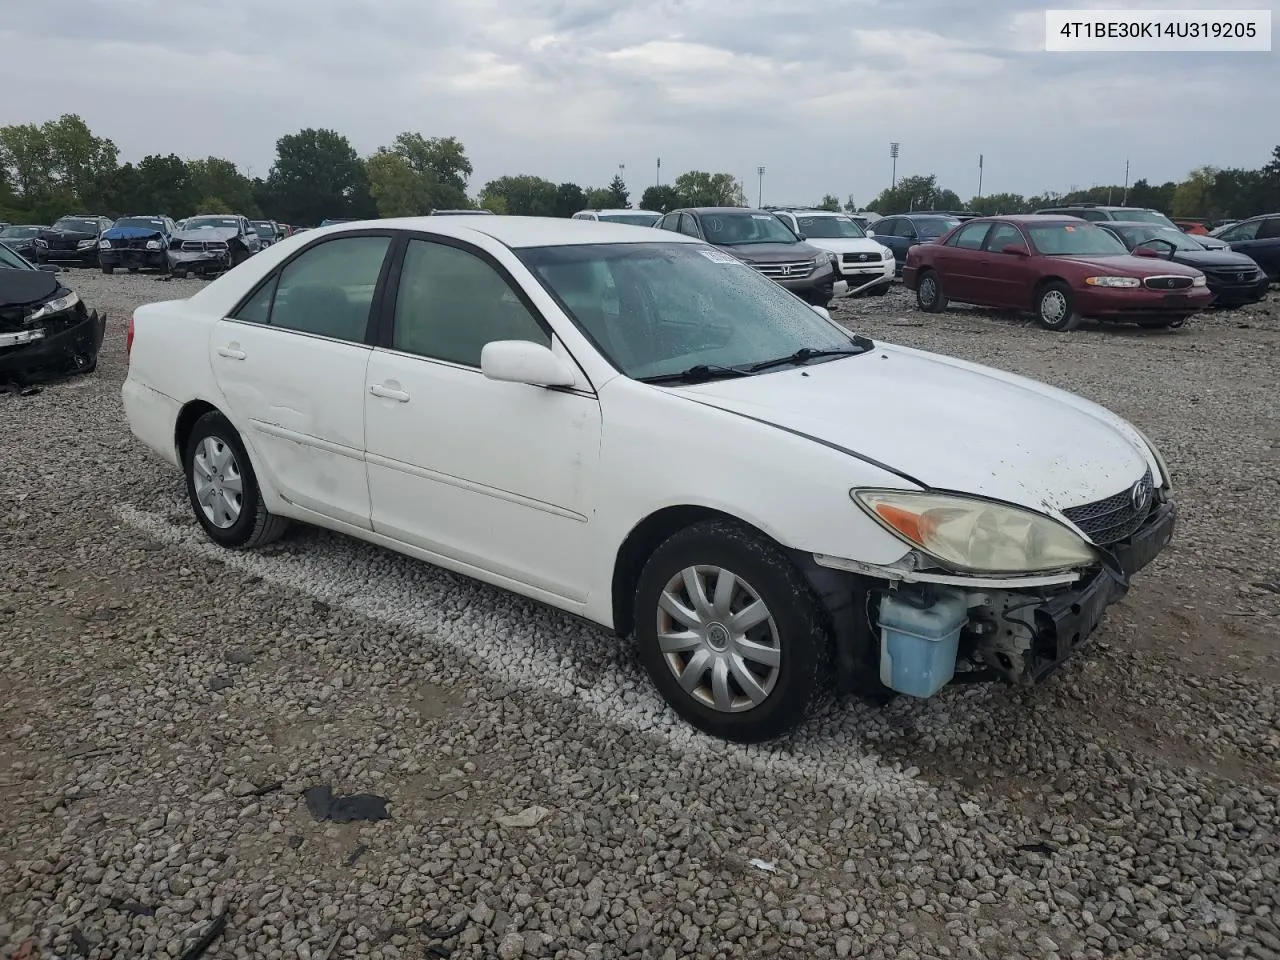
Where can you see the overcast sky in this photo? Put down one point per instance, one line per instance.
(570, 89)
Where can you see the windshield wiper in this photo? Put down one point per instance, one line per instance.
(699, 373)
(859, 345)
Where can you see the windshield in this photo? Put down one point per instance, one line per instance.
(11, 260)
(634, 219)
(145, 223)
(19, 233)
(1134, 236)
(661, 308)
(931, 228)
(830, 228)
(729, 229)
(1147, 216)
(1074, 239)
(76, 225)
(207, 223)
(264, 229)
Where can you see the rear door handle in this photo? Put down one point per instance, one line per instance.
(231, 353)
(389, 393)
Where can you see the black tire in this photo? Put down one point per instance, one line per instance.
(879, 291)
(108, 270)
(930, 297)
(795, 620)
(1055, 307)
(254, 526)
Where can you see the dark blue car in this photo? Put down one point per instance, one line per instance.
(136, 242)
(902, 232)
(1259, 238)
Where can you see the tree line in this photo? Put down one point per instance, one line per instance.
(60, 167)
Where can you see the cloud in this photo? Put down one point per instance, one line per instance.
(570, 89)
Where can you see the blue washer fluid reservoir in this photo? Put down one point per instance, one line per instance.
(919, 636)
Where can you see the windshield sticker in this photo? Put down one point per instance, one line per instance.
(718, 256)
(1070, 229)
(762, 216)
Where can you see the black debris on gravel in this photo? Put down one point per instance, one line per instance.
(322, 804)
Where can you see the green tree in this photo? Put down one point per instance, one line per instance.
(851, 205)
(79, 159)
(1194, 194)
(619, 195)
(663, 199)
(317, 175)
(569, 200)
(398, 190)
(698, 188)
(829, 202)
(27, 158)
(215, 205)
(523, 195)
(442, 166)
(598, 198)
(995, 203)
(920, 192)
(162, 184)
(216, 177)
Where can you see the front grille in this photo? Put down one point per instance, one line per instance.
(1117, 517)
(860, 258)
(1232, 274)
(61, 244)
(789, 269)
(203, 246)
(1168, 283)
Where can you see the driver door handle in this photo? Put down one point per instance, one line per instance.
(389, 393)
(231, 353)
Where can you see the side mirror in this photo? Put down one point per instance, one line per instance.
(1145, 252)
(801, 236)
(1015, 250)
(821, 311)
(521, 361)
(869, 232)
(49, 268)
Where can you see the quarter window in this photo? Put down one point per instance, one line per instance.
(1002, 235)
(1244, 231)
(1269, 229)
(688, 225)
(451, 303)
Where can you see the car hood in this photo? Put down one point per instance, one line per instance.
(1134, 266)
(847, 245)
(770, 252)
(77, 235)
(947, 425)
(22, 288)
(208, 233)
(1200, 259)
(133, 233)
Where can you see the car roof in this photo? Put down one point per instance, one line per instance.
(1132, 223)
(720, 210)
(1030, 218)
(621, 210)
(518, 232)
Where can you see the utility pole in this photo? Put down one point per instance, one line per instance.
(893, 153)
(1125, 201)
(760, 189)
(657, 180)
(979, 177)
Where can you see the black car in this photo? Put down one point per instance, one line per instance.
(136, 242)
(268, 232)
(45, 329)
(1259, 238)
(764, 242)
(21, 238)
(1100, 212)
(902, 232)
(72, 239)
(1233, 278)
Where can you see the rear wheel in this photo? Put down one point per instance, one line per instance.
(1055, 307)
(730, 633)
(929, 295)
(223, 489)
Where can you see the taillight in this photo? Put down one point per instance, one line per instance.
(128, 337)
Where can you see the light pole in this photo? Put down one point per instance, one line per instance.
(893, 153)
(657, 180)
(760, 187)
(979, 177)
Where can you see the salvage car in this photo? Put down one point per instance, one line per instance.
(765, 243)
(72, 239)
(865, 265)
(21, 238)
(1063, 269)
(211, 244)
(136, 242)
(46, 331)
(1234, 279)
(649, 433)
(1259, 238)
(268, 231)
(900, 233)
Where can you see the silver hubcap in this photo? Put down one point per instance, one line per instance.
(1053, 306)
(219, 486)
(718, 639)
(928, 290)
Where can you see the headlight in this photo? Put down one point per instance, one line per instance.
(976, 535)
(822, 260)
(1166, 480)
(1113, 282)
(1199, 281)
(887, 254)
(85, 244)
(41, 242)
(153, 244)
(55, 306)
(104, 244)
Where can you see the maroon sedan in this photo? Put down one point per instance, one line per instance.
(1062, 268)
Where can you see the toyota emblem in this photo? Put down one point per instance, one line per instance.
(862, 256)
(1139, 496)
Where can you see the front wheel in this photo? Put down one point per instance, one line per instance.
(929, 295)
(1055, 308)
(730, 632)
(223, 489)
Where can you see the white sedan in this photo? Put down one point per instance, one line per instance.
(631, 426)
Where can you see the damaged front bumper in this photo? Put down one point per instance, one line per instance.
(134, 257)
(198, 261)
(1012, 629)
(57, 347)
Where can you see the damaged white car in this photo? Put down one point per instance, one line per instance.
(634, 427)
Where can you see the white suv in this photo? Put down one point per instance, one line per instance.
(865, 265)
(636, 218)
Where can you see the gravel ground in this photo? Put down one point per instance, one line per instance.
(543, 803)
